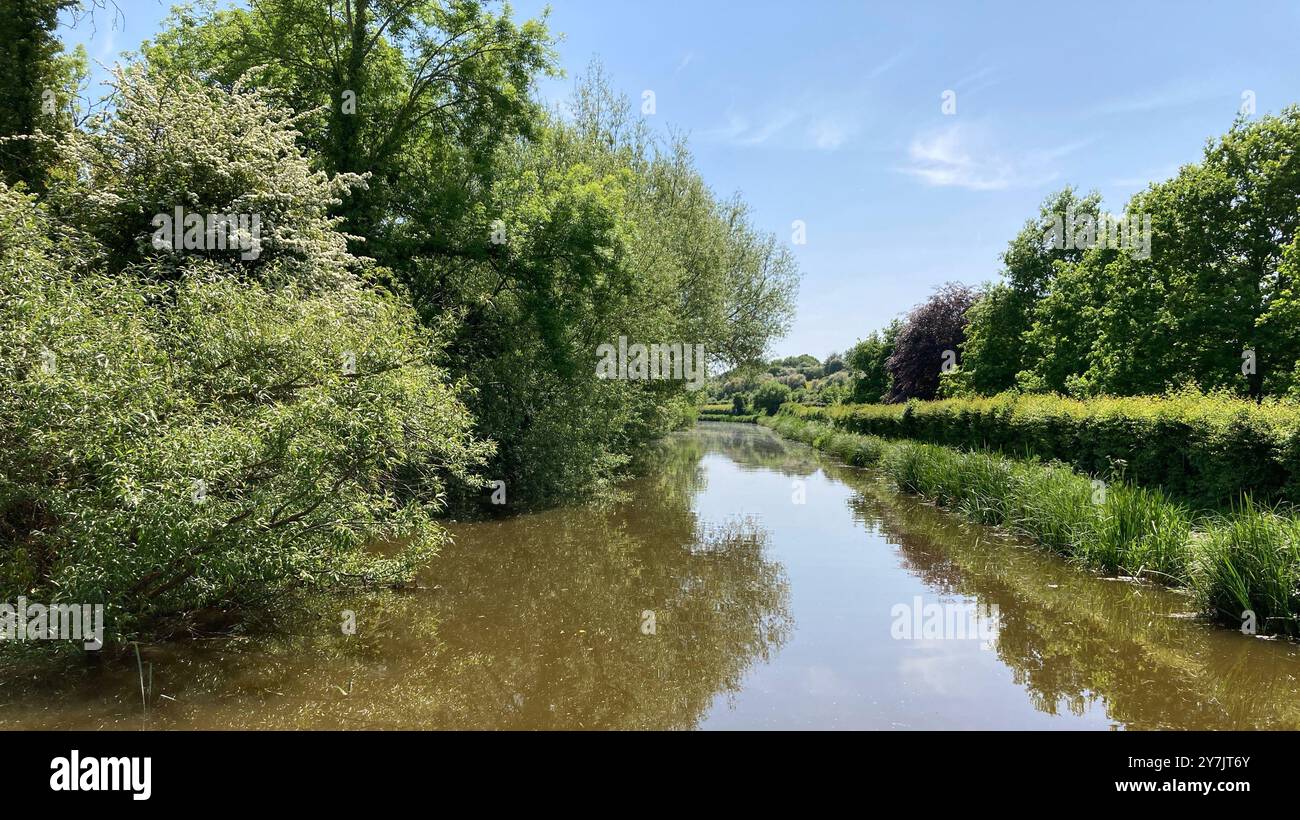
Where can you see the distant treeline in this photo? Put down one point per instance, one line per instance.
(1206, 299)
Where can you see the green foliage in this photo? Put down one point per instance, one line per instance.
(1204, 449)
(993, 351)
(177, 437)
(417, 93)
(174, 142)
(803, 361)
(503, 244)
(999, 342)
(532, 237)
(607, 235)
(1250, 560)
(1214, 282)
(808, 379)
(37, 82)
(867, 358)
(1215, 278)
(1140, 532)
(742, 418)
(770, 396)
(835, 388)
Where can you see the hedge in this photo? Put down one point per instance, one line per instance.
(1205, 449)
(743, 419)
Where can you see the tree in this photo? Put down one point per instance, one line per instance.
(121, 182)
(1059, 344)
(380, 83)
(607, 234)
(994, 350)
(1212, 289)
(929, 340)
(998, 345)
(182, 434)
(834, 363)
(36, 84)
(531, 239)
(867, 359)
(770, 395)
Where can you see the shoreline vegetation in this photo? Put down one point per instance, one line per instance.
(1204, 449)
(1241, 565)
(725, 412)
(393, 315)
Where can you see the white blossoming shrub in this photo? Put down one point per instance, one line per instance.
(174, 143)
(194, 431)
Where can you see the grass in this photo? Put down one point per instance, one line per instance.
(1142, 533)
(1250, 560)
(1246, 560)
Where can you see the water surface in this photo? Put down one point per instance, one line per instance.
(746, 582)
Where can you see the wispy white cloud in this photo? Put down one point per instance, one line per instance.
(787, 128)
(809, 122)
(944, 159)
(686, 60)
(964, 155)
(976, 81)
(1058, 151)
(886, 65)
(1170, 96)
(974, 77)
(828, 134)
(740, 131)
(110, 40)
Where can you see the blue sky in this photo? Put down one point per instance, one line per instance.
(831, 113)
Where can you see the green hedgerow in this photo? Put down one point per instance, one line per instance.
(1204, 449)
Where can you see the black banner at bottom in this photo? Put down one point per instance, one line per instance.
(210, 770)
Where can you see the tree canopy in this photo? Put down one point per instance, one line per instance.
(1205, 298)
(318, 271)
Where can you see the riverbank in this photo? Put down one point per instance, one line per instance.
(1243, 567)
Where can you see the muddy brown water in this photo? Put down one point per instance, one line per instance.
(746, 582)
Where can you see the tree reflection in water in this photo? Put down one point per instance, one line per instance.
(537, 621)
(1073, 639)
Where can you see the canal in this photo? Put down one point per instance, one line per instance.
(744, 582)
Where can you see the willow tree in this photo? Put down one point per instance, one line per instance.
(533, 237)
